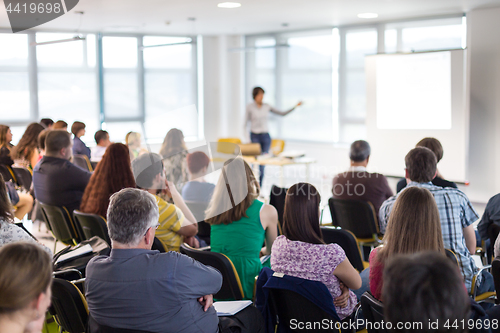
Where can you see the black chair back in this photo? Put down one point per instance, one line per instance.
(356, 216)
(61, 224)
(288, 305)
(83, 162)
(7, 173)
(198, 209)
(92, 225)
(69, 306)
(23, 176)
(347, 242)
(277, 199)
(495, 271)
(373, 311)
(158, 245)
(231, 284)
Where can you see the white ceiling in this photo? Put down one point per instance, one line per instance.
(254, 16)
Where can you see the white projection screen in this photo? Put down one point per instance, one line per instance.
(412, 96)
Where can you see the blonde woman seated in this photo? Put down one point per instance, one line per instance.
(25, 281)
(133, 142)
(414, 226)
(241, 223)
(301, 251)
(174, 153)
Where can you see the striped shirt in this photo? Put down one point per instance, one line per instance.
(456, 213)
(170, 220)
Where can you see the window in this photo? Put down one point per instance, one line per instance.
(14, 79)
(67, 81)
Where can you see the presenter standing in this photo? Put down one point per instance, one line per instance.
(257, 114)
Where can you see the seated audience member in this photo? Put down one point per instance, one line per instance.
(5, 145)
(79, 147)
(47, 123)
(413, 226)
(301, 251)
(240, 223)
(60, 125)
(25, 282)
(102, 140)
(56, 180)
(133, 142)
(9, 232)
(455, 212)
(157, 292)
(26, 152)
(41, 142)
(197, 189)
(490, 222)
(174, 153)
(436, 147)
(425, 288)
(176, 222)
(357, 183)
(111, 175)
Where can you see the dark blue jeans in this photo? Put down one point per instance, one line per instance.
(264, 139)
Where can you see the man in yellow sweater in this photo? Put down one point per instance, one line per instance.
(176, 222)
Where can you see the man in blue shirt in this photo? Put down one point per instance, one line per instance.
(455, 211)
(137, 288)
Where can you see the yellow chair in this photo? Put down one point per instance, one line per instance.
(224, 147)
(277, 146)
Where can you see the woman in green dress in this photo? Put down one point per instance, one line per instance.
(240, 222)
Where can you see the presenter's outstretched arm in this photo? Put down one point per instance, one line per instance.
(284, 113)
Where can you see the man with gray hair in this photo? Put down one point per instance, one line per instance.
(357, 183)
(140, 289)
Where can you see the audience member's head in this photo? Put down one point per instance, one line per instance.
(434, 145)
(133, 140)
(235, 191)
(301, 216)
(60, 125)
(132, 218)
(28, 143)
(102, 138)
(424, 288)
(41, 140)
(173, 143)
(78, 129)
(6, 209)
(197, 164)
(25, 281)
(421, 165)
(360, 152)
(112, 174)
(59, 144)
(258, 94)
(5, 136)
(148, 171)
(47, 122)
(414, 225)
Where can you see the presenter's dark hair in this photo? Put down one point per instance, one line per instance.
(434, 145)
(301, 216)
(360, 151)
(256, 91)
(424, 288)
(421, 164)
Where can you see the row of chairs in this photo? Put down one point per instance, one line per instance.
(18, 175)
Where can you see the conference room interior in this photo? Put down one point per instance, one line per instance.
(148, 67)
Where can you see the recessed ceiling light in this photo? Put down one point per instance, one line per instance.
(229, 5)
(368, 15)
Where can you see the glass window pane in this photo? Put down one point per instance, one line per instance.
(355, 95)
(14, 96)
(359, 44)
(119, 52)
(310, 52)
(353, 132)
(432, 38)
(175, 56)
(14, 50)
(60, 54)
(265, 57)
(121, 98)
(17, 133)
(70, 97)
(391, 41)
